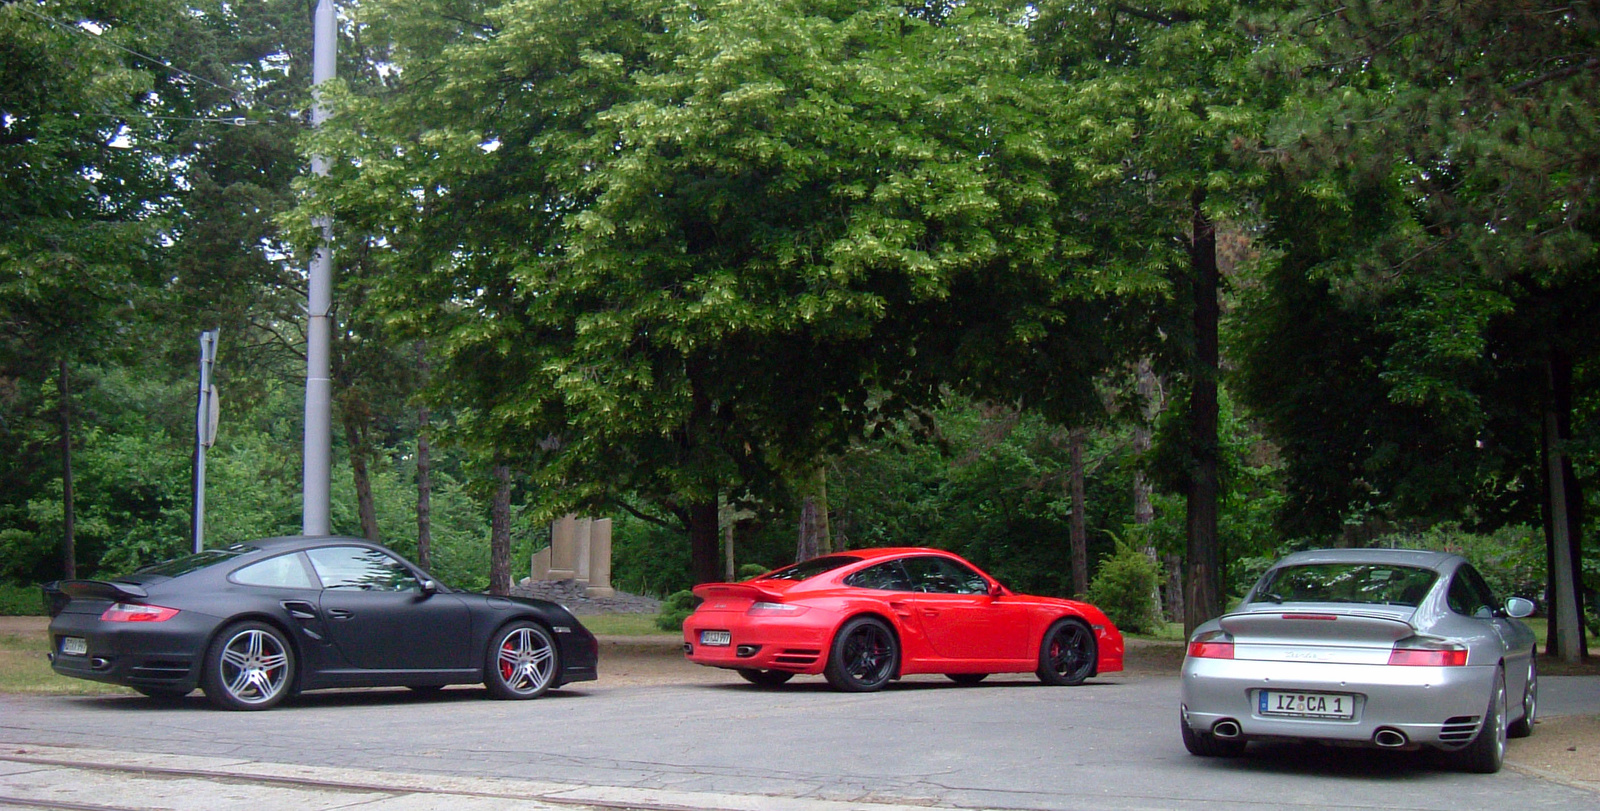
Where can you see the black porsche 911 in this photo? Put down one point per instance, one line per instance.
(258, 621)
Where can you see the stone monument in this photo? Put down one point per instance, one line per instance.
(579, 550)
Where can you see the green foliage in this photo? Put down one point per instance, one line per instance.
(1124, 588)
(750, 571)
(20, 600)
(675, 609)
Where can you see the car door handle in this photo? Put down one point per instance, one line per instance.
(929, 612)
(340, 614)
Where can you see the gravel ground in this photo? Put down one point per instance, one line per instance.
(571, 595)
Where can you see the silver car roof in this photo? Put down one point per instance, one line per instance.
(1438, 561)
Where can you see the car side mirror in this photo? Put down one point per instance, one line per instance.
(996, 590)
(1519, 607)
(429, 588)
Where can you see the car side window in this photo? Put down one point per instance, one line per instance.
(936, 575)
(354, 567)
(890, 576)
(284, 571)
(1469, 595)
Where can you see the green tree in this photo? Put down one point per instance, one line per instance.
(674, 251)
(1436, 219)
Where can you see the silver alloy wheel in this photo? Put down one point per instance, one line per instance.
(1500, 719)
(526, 661)
(255, 667)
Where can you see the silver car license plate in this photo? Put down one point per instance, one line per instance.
(74, 646)
(716, 639)
(1305, 705)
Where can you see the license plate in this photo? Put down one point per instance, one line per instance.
(74, 646)
(716, 639)
(1306, 705)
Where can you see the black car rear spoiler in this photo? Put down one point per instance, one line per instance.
(57, 593)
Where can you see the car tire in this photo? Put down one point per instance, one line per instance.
(521, 662)
(1487, 751)
(864, 656)
(765, 678)
(1204, 744)
(1523, 727)
(1067, 654)
(249, 666)
(966, 679)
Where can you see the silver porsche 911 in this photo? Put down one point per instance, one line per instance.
(1389, 648)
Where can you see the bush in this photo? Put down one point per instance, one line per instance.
(1125, 588)
(749, 571)
(20, 601)
(675, 609)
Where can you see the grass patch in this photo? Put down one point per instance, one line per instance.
(1166, 632)
(20, 601)
(24, 669)
(624, 625)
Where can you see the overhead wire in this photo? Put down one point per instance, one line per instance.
(237, 95)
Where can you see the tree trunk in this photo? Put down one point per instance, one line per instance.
(704, 555)
(424, 494)
(1566, 632)
(355, 434)
(1203, 586)
(1077, 534)
(500, 533)
(69, 513)
(1143, 514)
(815, 538)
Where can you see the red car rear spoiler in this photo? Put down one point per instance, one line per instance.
(706, 591)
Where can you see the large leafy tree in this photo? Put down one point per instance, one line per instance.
(678, 250)
(84, 181)
(1439, 216)
(1167, 93)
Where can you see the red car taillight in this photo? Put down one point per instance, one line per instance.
(1212, 645)
(134, 612)
(775, 610)
(1419, 652)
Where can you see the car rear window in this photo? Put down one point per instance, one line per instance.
(195, 562)
(807, 569)
(1362, 583)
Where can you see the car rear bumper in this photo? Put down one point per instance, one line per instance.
(1435, 706)
(156, 655)
(791, 644)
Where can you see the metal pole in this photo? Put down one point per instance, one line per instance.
(319, 329)
(203, 434)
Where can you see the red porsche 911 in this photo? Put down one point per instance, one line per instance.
(865, 617)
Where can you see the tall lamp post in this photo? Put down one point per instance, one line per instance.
(319, 329)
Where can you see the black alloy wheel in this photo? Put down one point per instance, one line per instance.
(1068, 653)
(765, 678)
(864, 657)
(249, 666)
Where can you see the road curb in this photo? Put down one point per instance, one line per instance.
(404, 789)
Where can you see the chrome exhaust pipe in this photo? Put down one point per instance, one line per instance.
(1225, 729)
(1389, 738)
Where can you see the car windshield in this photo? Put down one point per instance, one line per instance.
(807, 569)
(195, 562)
(1362, 583)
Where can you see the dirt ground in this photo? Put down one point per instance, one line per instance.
(1565, 749)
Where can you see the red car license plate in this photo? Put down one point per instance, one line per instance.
(1306, 705)
(716, 639)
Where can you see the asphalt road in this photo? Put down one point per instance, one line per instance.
(1008, 743)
